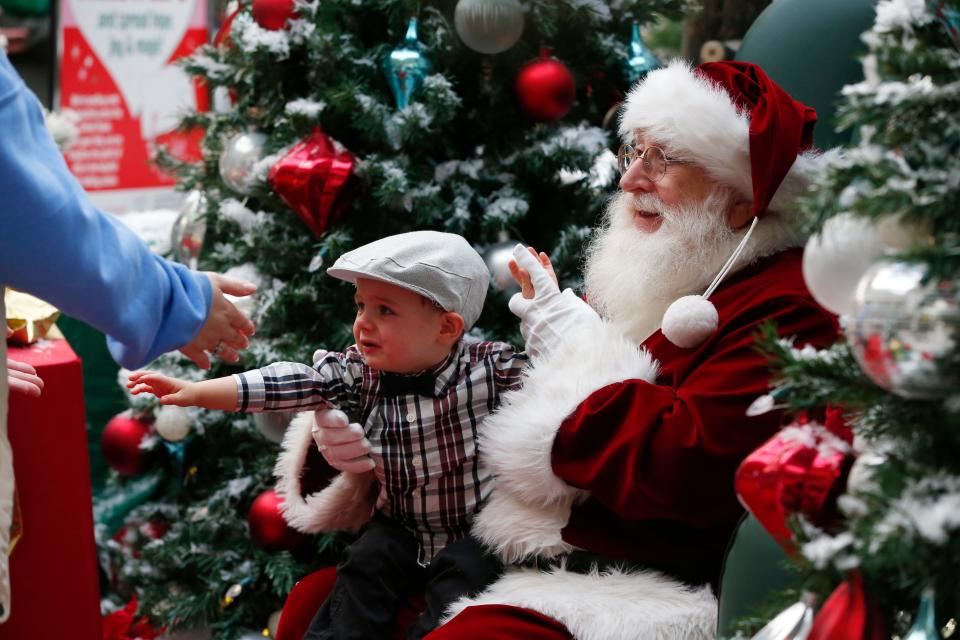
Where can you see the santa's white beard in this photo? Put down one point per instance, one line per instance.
(632, 276)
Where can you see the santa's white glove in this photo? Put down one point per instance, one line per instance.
(551, 315)
(342, 444)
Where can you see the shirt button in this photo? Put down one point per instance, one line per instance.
(411, 417)
(417, 461)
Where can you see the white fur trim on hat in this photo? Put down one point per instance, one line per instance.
(693, 118)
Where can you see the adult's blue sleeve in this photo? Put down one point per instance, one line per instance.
(56, 245)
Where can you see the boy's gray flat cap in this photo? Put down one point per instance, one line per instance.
(441, 266)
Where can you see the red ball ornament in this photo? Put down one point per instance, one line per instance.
(273, 14)
(120, 445)
(312, 180)
(267, 527)
(546, 89)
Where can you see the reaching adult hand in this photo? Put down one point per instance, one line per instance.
(226, 328)
(23, 378)
(546, 314)
(342, 444)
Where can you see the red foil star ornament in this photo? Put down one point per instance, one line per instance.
(312, 179)
(799, 470)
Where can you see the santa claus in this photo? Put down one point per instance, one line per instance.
(614, 464)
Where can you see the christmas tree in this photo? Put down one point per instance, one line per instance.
(337, 122)
(874, 513)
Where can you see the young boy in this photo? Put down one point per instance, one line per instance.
(420, 391)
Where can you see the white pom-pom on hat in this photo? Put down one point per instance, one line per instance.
(690, 320)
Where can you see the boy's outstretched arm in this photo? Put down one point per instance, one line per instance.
(216, 393)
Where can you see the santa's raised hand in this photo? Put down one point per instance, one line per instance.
(547, 315)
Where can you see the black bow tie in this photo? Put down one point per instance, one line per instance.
(395, 384)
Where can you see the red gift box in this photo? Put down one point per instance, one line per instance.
(54, 585)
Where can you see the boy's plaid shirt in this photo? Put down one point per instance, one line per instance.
(425, 447)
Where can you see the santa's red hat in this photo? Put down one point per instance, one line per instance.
(731, 119)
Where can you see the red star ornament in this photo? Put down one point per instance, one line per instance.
(312, 178)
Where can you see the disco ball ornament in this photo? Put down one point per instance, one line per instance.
(186, 238)
(546, 89)
(497, 258)
(240, 155)
(406, 67)
(273, 424)
(489, 26)
(903, 332)
(641, 60)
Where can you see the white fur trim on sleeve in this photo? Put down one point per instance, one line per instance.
(517, 530)
(346, 503)
(609, 605)
(516, 441)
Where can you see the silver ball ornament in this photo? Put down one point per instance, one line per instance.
(902, 332)
(272, 425)
(497, 257)
(240, 155)
(835, 259)
(186, 237)
(489, 26)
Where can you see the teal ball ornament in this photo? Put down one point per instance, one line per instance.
(406, 66)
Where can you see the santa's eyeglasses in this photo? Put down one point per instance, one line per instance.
(653, 161)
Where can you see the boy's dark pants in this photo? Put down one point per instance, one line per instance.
(380, 572)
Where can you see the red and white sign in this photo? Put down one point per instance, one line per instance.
(117, 74)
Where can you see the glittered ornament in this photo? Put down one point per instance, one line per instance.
(850, 613)
(497, 257)
(172, 423)
(240, 155)
(640, 60)
(545, 88)
(793, 623)
(273, 14)
(903, 332)
(312, 179)
(489, 26)
(268, 529)
(120, 444)
(186, 237)
(273, 424)
(406, 67)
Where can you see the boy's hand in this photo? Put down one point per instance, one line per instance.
(23, 378)
(342, 444)
(169, 390)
